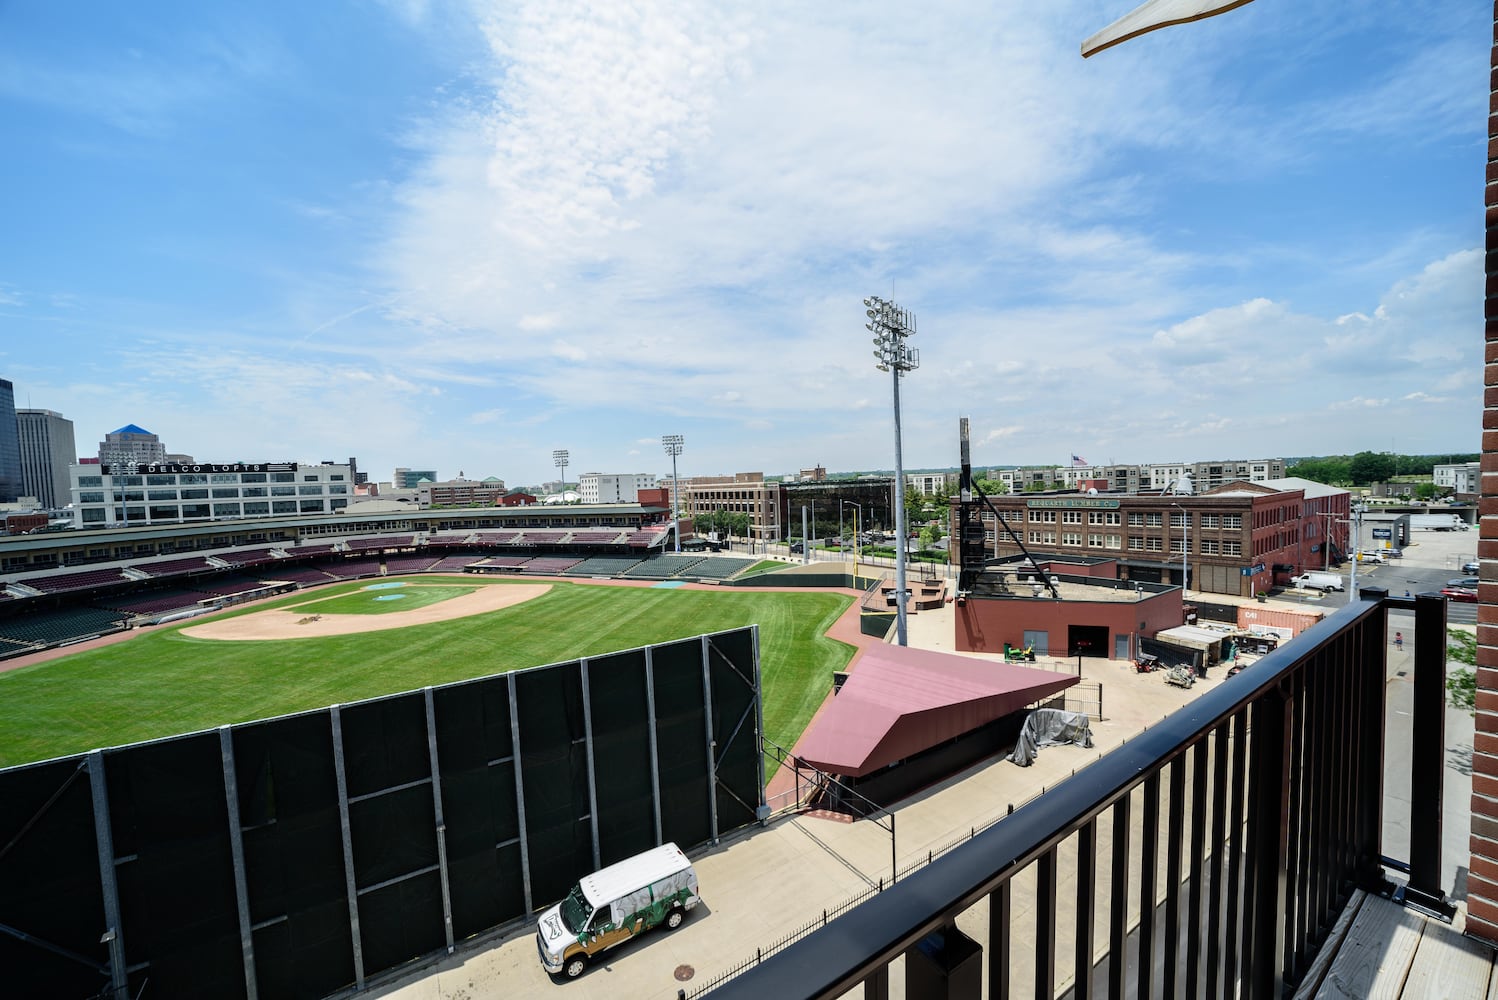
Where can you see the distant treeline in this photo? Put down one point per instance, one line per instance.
(1369, 467)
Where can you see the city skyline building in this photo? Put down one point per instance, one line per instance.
(48, 448)
(11, 478)
(132, 445)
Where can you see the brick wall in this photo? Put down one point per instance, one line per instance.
(1482, 884)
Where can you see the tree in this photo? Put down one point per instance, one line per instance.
(1427, 491)
(1331, 470)
(991, 487)
(1370, 467)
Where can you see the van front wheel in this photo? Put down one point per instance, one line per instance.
(575, 966)
(674, 919)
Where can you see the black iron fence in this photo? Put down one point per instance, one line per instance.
(1266, 795)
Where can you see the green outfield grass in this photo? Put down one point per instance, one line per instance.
(162, 683)
(369, 602)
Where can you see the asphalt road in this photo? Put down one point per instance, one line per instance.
(1435, 558)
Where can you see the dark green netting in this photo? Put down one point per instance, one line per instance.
(559, 834)
(394, 834)
(681, 734)
(385, 743)
(402, 921)
(49, 881)
(621, 755)
(735, 728)
(175, 870)
(293, 846)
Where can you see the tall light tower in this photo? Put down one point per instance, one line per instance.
(892, 326)
(672, 443)
(560, 458)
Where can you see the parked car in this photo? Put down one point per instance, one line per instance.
(1319, 581)
(1471, 567)
(1462, 594)
(1465, 582)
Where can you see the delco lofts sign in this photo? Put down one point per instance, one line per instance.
(1091, 503)
(170, 468)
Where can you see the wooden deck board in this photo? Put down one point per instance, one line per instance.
(1317, 973)
(1376, 954)
(1449, 965)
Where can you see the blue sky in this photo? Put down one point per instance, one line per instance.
(462, 235)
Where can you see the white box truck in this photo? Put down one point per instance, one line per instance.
(613, 905)
(1437, 522)
(1319, 581)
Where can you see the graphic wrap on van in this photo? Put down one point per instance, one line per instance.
(610, 906)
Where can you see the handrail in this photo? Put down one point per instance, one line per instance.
(833, 960)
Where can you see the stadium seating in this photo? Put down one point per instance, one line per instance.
(352, 569)
(53, 627)
(382, 542)
(596, 537)
(604, 566)
(307, 576)
(74, 581)
(175, 567)
(452, 564)
(310, 550)
(495, 537)
(9, 648)
(504, 562)
(540, 538)
(248, 557)
(664, 566)
(229, 585)
(153, 602)
(645, 537)
(408, 564)
(551, 565)
(719, 568)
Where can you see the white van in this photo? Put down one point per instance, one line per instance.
(1319, 581)
(613, 905)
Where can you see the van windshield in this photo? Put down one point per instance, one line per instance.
(576, 911)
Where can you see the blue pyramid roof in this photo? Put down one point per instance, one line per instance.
(131, 429)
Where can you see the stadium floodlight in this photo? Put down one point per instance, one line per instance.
(892, 326)
(560, 458)
(673, 445)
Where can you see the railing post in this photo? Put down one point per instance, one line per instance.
(1372, 676)
(1268, 845)
(1427, 751)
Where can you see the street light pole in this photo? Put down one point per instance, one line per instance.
(892, 326)
(673, 444)
(1185, 547)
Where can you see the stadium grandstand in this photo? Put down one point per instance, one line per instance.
(142, 574)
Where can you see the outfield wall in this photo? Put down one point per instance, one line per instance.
(306, 855)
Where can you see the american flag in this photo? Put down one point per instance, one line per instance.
(1077, 460)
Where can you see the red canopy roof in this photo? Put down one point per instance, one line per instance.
(899, 701)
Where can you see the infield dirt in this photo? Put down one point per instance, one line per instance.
(301, 622)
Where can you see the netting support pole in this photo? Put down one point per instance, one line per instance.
(592, 774)
(119, 979)
(447, 896)
(525, 850)
(712, 744)
(350, 884)
(759, 719)
(655, 754)
(236, 851)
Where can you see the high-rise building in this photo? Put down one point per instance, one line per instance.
(47, 449)
(613, 487)
(410, 479)
(132, 445)
(11, 479)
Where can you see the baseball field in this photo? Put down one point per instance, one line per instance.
(348, 642)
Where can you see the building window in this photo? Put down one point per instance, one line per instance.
(1071, 517)
(1178, 545)
(94, 497)
(94, 515)
(225, 493)
(311, 506)
(1071, 538)
(283, 491)
(1233, 522)
(1049, 538)
(225, 477)
(252, 477)
(226, 510)
(1209, 546)
(1152, 544)
(192, 479)
(259, 507)
(1209, 520)
(283, 506)
(1094, 541)
(1035, 537)
(161, 494)
(161, 480)
(1136, 544)
(283, 477)
(163, 513)
(86, 481)
(1232, 548)
(1153, 520)
(194, 494)
(310, 491)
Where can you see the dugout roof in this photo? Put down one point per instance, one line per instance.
(899, 701)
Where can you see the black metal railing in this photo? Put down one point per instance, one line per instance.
(1272, 813)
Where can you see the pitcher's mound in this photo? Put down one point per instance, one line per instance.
(292, 623)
